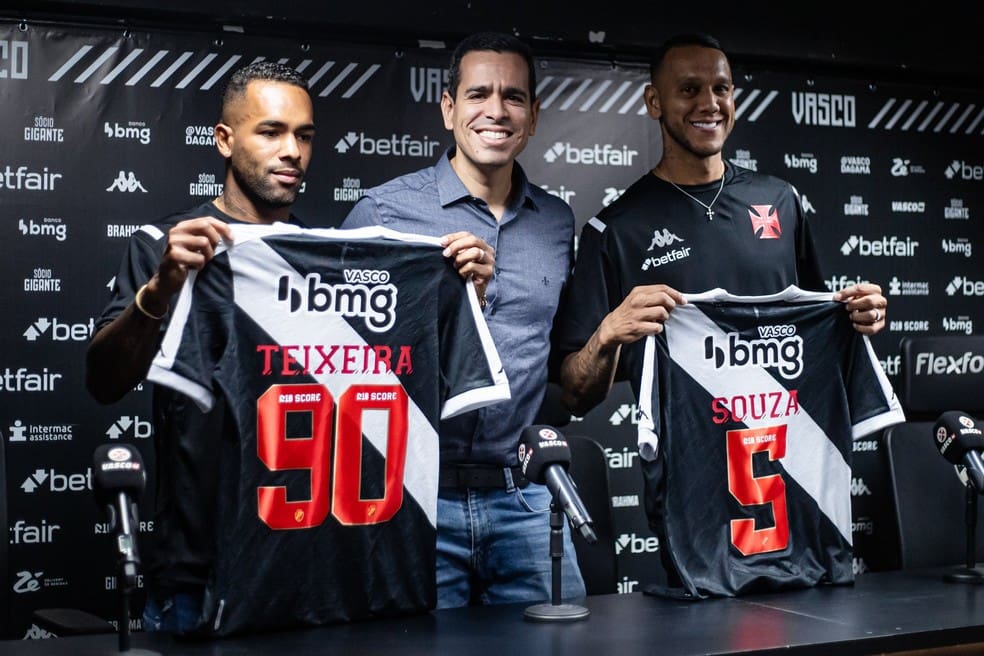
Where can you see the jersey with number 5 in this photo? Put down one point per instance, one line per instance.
(749, 406)
(338, 352)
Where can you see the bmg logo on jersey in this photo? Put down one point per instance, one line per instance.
(374, 302)
(778, 347)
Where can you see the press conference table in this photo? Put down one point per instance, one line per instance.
(883, 612)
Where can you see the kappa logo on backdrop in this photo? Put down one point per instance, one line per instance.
(126, 182)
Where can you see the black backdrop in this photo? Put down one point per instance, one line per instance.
(105, 129)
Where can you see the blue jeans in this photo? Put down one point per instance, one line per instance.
(493, 547)
(177, 614)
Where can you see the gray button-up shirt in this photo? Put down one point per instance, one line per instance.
(533, 248)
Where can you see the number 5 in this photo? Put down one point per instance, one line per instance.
(751, 490)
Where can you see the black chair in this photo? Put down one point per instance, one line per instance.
(589, 471)
(930, 500)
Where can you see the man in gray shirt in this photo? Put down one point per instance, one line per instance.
(492, 525)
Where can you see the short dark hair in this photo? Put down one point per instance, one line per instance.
(679, 40)
(261, 70)
(496, 42)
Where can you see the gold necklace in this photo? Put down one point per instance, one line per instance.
(710, 212)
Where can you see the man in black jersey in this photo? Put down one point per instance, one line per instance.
(693, 223)
(265, 134)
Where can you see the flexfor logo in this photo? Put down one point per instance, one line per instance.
(126, 182)
(930, 364)
(59, 331)
(596, 155)
(889, 246)
(391, 146)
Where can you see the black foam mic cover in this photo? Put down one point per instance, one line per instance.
(539, 447)
(955, 434)
(117, 468)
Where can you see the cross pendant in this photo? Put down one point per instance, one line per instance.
(710, 214)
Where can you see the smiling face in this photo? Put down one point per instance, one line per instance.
(492, 114)
(266, 137)
(693, 96)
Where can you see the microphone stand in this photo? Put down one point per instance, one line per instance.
(970, 573)
(556, 611)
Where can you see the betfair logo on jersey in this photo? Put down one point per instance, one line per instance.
(375, 304)
(780, 348)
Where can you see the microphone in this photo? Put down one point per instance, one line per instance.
(961, 441)
(118, 480)
(545, 456)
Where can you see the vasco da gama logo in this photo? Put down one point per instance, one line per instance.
(367, 293)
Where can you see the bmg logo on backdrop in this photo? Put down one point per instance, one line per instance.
(132, 131)
(48, 227)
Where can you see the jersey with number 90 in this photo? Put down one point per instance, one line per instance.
(337, 352)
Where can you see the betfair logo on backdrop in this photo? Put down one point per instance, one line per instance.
(20, 179)
(563, 193)
(56, 482)
(126, 182)
(392, 146)
(13, 60)
(890, 246)
(964, 171)
(965, 286)
(595, 155)
(59, 331)
(133, 426)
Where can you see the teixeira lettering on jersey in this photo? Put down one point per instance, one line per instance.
(319, 359)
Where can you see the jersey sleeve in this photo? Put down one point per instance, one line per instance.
(196, 336)
(472, 375)
(873, 402)
(587, 298)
